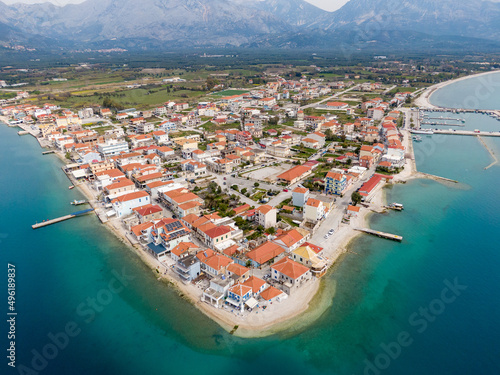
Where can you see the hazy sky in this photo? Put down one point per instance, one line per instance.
(329, 5)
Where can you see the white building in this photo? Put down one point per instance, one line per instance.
(112, 147)
(314, 210)
(265, 215)
(124, 204)
(300, 195)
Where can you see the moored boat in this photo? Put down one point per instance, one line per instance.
(422, 131)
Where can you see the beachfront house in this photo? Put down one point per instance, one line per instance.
(290, 274)
(238, 295)
(188, 268)
(124, 204)
(169, 233)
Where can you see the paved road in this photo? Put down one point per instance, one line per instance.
(389, 89)
(329, 98)
(335, 217)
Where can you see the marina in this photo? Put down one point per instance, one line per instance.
(492, 113)
(440, 123)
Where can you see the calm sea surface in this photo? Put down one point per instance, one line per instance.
(429, 305)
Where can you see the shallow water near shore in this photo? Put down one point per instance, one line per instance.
(449, 233)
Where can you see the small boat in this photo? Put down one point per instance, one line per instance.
(422, 131)
(76, 203)
(417, 138)
(396, 206)
(71, 187)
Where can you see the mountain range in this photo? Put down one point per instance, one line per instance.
(171, 24)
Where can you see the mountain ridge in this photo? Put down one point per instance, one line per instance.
(171, 24)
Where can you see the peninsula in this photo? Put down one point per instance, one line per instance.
(242, 199)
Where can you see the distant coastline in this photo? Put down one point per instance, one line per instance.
(424, 100)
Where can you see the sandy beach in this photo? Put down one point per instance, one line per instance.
(423, 101)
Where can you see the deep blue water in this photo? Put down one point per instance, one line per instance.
(450, 236)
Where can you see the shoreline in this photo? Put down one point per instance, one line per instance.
(423, 100)
(306, 305)
(296, 312)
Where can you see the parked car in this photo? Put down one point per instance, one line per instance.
(326, 236)
(285, 190)
(331, 231)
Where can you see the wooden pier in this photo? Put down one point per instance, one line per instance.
(48, 152)
(62, 218)
(388, 236)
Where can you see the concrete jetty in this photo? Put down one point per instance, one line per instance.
(388, 236)
(440, 123)
(62, 218)
(467, 132)
(495, 159)
(434, 177)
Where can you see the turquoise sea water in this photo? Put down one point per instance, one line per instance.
(450, 236)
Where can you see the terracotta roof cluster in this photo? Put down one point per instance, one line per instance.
(265, 252)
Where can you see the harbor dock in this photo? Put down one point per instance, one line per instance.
(468, 132)
(388, 236)
(62, 218)
(440, 123)
(48, 152)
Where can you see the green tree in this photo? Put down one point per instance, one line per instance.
(329, 135)
(356, 198)
(235, 187)
(244, 191)
(256, 184)
(211, 83)
(270, 230)
(68, 156)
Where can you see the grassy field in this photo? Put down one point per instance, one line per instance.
(138, 98)
(229, 92)
(211, 127)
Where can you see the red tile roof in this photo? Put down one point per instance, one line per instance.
(255, 283)
(270, 293)
(290, 268)
(237, 269)
(265, 252)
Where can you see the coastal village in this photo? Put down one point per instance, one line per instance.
(244, 201)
